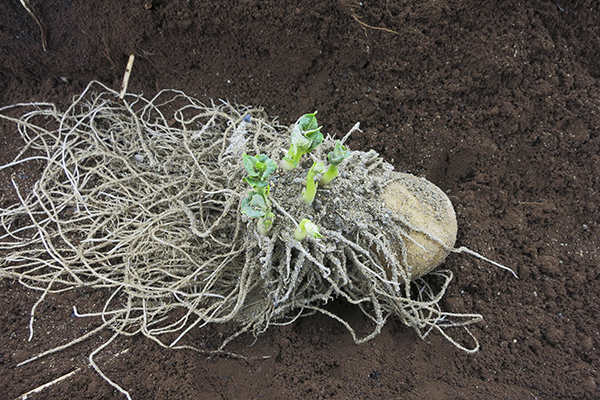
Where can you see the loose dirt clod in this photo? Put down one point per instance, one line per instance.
(141, 197)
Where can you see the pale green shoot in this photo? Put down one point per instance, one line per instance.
(257, 204)
(311, 186)
(307, 227)
(339, 154)
(306, 135)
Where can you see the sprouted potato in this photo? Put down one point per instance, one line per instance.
(430, 218)
(171, 204)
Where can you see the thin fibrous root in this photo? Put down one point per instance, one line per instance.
(140, 198)
(25, 4)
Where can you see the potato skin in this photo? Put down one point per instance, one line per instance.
(428, 214)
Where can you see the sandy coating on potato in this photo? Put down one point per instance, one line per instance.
(431, 218)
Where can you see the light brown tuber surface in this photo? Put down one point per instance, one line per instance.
(429, 214)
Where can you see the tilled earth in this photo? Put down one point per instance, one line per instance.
(496, 102)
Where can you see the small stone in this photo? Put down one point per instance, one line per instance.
(586, 344)
(548, 265)
(481, 324)
(535, 346)
(590, 384)
(554, 335)
(19, 356)
(455, 304)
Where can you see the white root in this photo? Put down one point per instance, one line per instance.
(146, 206)
(40, 388)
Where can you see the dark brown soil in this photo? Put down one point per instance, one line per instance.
(497, 102)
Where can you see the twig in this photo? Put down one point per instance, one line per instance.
(46, 385)
(126, 76)
(365, 26)
(25, 4)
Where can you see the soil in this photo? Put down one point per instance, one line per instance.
(496, 102)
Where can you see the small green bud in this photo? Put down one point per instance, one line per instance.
(339, 154)
(306, 135)
(307, 227)
(259, 169)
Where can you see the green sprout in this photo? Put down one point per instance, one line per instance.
(311, 186)
(306, 135)
(339, 154)
(259, 170)
(307, 227)
(257, 204)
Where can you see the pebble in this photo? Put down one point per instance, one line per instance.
(554, 335)
(548, 265)
(455, 304)
(19, 356)
(586, 344)
(590, 384)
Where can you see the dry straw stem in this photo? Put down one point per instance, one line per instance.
(365, 26)
(25, 4)
(126, 76)
(141, 198)
(40, 388)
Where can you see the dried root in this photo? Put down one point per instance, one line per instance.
(141, 197)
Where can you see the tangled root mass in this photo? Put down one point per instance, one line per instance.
(142, 197)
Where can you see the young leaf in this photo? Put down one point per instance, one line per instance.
(335, 157)
(307, 122)
(338, 154)
(306, 135)
(255, 205)
(259, 169)
(308, 126)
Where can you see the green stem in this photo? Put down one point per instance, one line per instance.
(311, 186)
(329, 175)
(264, 224)
(299, 234)
(310, 191)
(289, 163)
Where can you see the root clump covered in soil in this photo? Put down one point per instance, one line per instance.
(142, 197)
